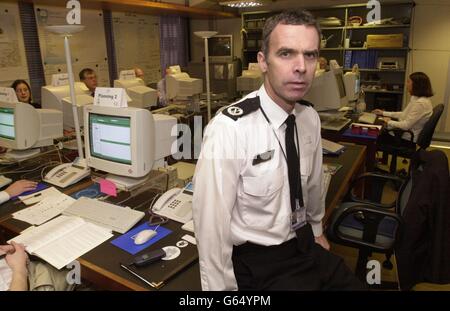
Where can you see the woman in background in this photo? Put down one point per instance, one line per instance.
(416, 113)
(23, 92)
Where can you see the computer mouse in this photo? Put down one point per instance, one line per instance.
(144, 236)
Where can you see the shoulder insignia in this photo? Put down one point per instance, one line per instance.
(305, 103)
(242, 108)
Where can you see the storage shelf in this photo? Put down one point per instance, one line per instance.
(376, 70)
(382, 91)
(379, 26)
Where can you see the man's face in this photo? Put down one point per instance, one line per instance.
(90, 79)
(290, 64)
(139, 74)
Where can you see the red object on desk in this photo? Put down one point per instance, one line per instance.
(361, 130)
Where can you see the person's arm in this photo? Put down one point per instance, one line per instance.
(316, 205)
(20, 187)
(17, 261)
(415, 113)
(392, 114)
(215, 189)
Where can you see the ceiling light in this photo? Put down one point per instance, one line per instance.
(242, 3)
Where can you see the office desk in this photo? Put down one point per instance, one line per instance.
(101, 265)
(369, 142)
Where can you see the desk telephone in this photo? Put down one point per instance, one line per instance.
(176, 204)
(66, 174)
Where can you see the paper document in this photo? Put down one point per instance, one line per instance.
(38, 196)
(45, 210)
(62, 240)
(330, 147)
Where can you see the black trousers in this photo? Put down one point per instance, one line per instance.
(289, 266)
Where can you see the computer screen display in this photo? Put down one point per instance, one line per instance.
(110, 138)
(220, 48)
(120, 141)
(7, 129)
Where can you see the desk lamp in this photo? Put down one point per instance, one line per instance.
(69, 173)
(205, 35)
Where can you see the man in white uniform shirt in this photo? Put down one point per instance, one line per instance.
(255, 223)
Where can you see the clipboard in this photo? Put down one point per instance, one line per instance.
(157, 274)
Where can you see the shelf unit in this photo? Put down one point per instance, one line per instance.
(384, 87)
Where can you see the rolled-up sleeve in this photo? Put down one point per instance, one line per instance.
(215, 188)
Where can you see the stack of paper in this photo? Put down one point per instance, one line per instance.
(38, 196)
(62, 240)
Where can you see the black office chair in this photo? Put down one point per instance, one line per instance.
(371, 226)
(406, 147)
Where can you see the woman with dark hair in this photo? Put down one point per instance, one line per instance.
(23, 92)
(416, 113)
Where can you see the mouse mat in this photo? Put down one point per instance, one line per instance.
(126, 241)
(180, 254)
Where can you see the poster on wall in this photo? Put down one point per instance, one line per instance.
(88, 47)
(136, 39)
(13, 62)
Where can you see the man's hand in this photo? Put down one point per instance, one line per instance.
(17, 261)
(21, 186)
(378, 112)
(322, 241)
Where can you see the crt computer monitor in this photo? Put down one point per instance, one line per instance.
(250, 80)
(58, 97)
(327, 91)
(220, 48)
(182, 86)
(120, 141)
(23, 127)
(352, 86)
(141, 95)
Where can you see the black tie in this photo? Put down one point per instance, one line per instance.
(305, 237)
(292, 160)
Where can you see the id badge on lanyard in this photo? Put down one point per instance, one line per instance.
(298, 217)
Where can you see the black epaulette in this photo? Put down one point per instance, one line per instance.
(305, 103)
(242, 108)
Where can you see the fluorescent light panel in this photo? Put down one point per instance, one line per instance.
(242, 3)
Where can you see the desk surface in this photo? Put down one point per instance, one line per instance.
(101, 265)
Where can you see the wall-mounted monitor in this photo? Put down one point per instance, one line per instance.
(220, 48)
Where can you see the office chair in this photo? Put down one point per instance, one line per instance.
(406, 147)
(407, 227)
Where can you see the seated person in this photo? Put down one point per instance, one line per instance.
(415, 115)
(16, 189)
(139, 73)
(23, 92)
(89, 77)
(17, 273)
(323, 63)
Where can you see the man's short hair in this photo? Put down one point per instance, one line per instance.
(291, 17)
(84, 72)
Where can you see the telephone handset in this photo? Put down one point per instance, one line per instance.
(176, 204)
(66, 174)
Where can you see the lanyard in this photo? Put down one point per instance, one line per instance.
(300, 199)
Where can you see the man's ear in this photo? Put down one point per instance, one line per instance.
(262, 62)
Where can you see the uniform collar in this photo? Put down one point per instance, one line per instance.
(275, 113)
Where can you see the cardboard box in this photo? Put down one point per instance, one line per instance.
(385, 41)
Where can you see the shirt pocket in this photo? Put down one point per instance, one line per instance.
(261, 198)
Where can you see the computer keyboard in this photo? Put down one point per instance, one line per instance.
(114, 217)
(367, 117)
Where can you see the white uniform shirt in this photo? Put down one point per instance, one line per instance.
(5, 275)
(236, 201)
(413, 118)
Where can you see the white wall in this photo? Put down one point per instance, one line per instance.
(430, 43)
(223, 26)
